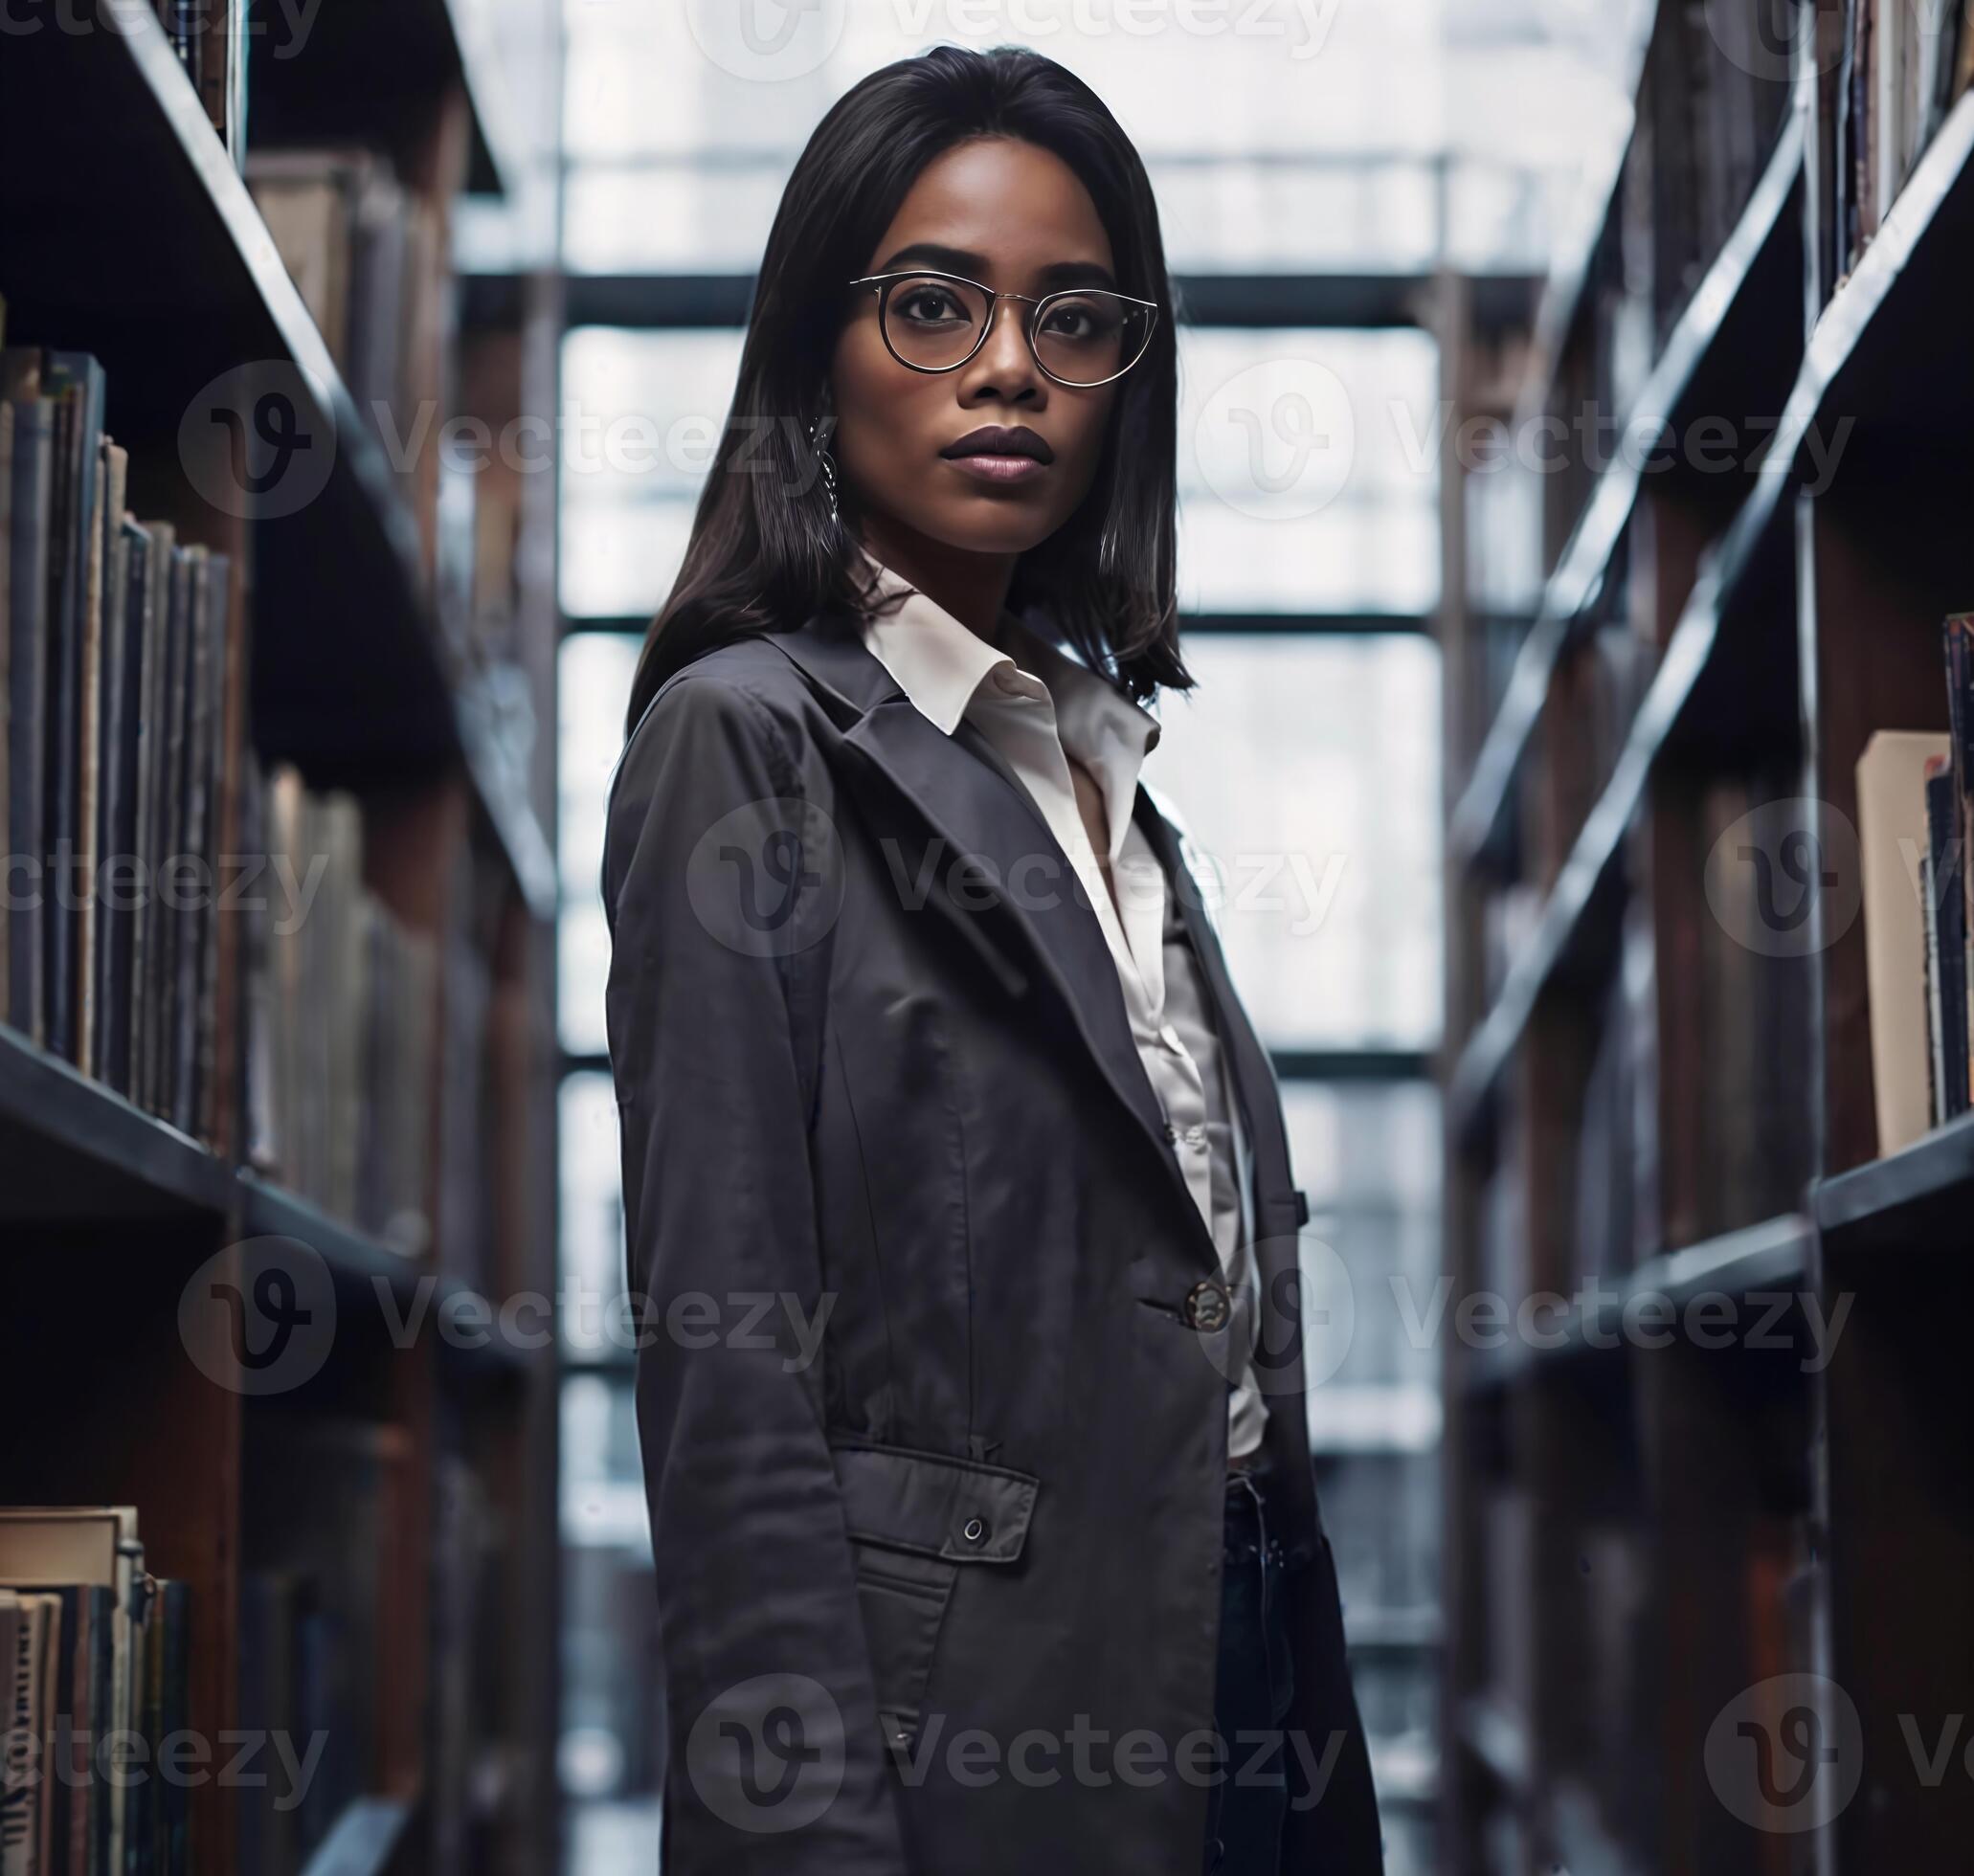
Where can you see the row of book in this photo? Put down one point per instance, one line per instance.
(118, 752)
(368, 254)
(126, 782)
(1915, 818)
(1599, 1165)
(1904, 67)
(320, 1638)
(1592, 1713)
(1712, 98)
(91, 1645)
(341, 1020)
(1711, 108)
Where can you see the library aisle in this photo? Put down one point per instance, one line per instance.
(1570, 486)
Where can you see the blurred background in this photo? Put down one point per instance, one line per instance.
(1574, 397)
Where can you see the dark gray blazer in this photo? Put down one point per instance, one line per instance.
(934, 1447)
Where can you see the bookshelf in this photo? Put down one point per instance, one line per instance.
(129, 232)
(1649, 1112)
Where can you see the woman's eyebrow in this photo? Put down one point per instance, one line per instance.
(963, 260)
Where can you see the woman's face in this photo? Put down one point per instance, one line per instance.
(1010, 216)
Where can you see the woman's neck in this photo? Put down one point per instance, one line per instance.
(972, 586)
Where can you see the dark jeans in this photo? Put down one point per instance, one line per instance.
(1250, 1795)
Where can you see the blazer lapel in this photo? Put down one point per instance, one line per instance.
(1278, 1208)
(980, 873)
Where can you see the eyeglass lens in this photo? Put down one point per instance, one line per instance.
(1083, 337)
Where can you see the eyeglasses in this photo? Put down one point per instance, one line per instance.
(1081, 336)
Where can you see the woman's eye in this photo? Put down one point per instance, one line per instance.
(1078, 319)
(929, 304)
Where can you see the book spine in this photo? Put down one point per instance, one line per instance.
(1959, 638)
(7, 429)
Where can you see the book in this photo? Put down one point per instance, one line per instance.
(112, 469)
(1901, 71)
(1946, 948)
(52, 1552)
(1957, 641)
(30, 533)
(117, 835)
(77, 381)
(1893, 835)
(342, 1012)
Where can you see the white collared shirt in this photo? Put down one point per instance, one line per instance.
(1038, 712)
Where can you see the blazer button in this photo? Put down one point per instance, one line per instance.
(1208, 1305)
(974, 1531)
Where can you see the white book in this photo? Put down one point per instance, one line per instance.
(1892, 838)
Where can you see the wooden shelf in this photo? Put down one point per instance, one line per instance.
(1753, 552)
(1744, 283)
(1890, 343)
(177, 281)
(1866, 326)
(1774, 1254)
(365, 1267)
(71, 1151)
(1913, 1193)
(1655, 1533)
(131, 235)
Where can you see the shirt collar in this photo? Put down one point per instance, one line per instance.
(941, 667)
(938, 663)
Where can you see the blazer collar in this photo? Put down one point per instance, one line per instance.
(1029, 922)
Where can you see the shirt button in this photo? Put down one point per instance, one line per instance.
(1196, 1136)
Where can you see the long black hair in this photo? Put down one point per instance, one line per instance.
(763, 554)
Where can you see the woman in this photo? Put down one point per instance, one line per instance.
(956, 1194)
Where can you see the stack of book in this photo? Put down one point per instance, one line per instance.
(1904, 67)
(117, 760)
(342, 1028)
(91, 1646)
(1915, 818)
(368, 254)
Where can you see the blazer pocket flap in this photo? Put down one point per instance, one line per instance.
(931, 1503)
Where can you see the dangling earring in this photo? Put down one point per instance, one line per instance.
(828, 466)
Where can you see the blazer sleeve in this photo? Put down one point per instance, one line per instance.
(776, 1760)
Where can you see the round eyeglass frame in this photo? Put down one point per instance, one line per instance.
(882, 283)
